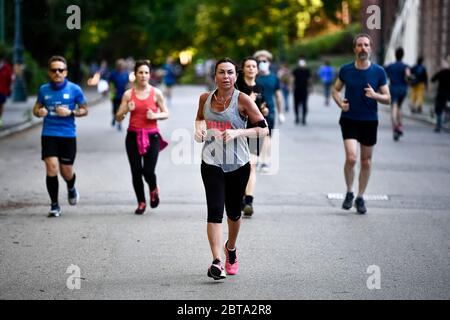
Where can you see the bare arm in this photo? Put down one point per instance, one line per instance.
(200, 127)
(383, 97)
(279, 101)
(123, 108)
(163, 111)
(336, 94)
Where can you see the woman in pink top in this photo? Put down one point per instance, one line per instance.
(143, 142)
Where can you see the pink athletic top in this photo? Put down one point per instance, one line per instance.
(143, 126)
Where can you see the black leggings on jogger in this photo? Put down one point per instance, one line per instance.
(224, 189)
(142, 165)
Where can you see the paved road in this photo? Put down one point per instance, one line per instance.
(298, 245)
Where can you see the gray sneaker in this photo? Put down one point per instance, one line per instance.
(73, 196)
(348, 201)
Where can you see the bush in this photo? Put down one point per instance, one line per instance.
(339, 42)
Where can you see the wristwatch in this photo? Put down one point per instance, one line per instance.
(72, 113)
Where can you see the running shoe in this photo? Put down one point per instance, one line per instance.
(248, 210)
(154, 198)
(348, 201)
(360, 205)
(141, 208)
(231, 261)
(73, 196)
(216, 270)
(264, 168)
(55, 210)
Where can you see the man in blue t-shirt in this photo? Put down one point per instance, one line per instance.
(398, 74)
(365, 85)
(59, 102)
(326, 74)
(119, 78)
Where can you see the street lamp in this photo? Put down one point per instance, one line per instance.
(19, 88)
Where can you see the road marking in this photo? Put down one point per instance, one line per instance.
(370, 197)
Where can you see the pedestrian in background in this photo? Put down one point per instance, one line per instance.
(143, 142)
(302, 84)
(246, 83)
(273, 97)
(365, 85)
(442, 77)
(221, 125)
(285, 77)
(419, 84)
(169, 78)
(119, 78)
(398, 74)
(59, 102)
(326, 75)
(6, 75)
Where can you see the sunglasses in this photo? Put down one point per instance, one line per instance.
(57, 70)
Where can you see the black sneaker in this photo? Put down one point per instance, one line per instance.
(141, 208)
(216, 270)
(396, 135)
(348, 201)
(73, 196)
(55, 210)
(360, 205)
(248, 206)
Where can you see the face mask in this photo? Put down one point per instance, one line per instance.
(263, 67)
(301, 63)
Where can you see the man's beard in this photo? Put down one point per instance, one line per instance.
(363, 55)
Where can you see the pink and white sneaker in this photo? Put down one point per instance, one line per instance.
(231, 261)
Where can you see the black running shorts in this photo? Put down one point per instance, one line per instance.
(365, 132)
(224, 189)
(64, 149)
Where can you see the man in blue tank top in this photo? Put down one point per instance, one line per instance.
(365, 85)
(59, 102)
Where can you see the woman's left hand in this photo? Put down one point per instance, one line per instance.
(151, 115)
(231, 134)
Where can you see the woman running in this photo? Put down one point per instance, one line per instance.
(221, 124)
(143, 141)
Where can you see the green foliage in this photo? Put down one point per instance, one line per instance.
(35, 75)
(339, 42)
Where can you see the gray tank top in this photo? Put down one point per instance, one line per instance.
(228, 156)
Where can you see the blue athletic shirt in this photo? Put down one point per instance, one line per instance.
(270, 84)
(51, 95)
(396, 72)
(362, 108)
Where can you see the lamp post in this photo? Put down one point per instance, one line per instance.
(19, 88)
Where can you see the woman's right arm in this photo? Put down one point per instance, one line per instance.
(200, 128)
(123, 108)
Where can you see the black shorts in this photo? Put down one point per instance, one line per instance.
(224, 189)
(64, 149)
(365, 132)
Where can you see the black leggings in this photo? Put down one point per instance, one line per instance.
(141, 168)
(301, 99)
(224, 189)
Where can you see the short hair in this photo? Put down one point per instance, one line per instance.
(362, 35)
(56, 58)
(265, 53)
(420, 60)
(141, 63)
(224, 60)
(399, 53)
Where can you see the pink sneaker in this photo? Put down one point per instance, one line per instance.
(231, 261)
(154, 198)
